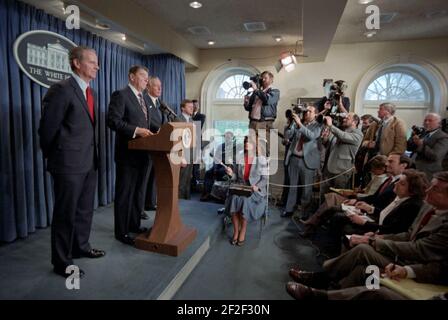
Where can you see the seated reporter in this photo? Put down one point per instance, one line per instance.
(399, 214)
(252, 171)
(426, 241)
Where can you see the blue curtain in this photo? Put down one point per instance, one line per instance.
(26, 196)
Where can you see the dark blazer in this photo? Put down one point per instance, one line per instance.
(124, 116)
(66, 131)
(381, 200)
(399, 219)
(158, 118)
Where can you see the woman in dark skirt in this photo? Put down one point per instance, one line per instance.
(251, 171)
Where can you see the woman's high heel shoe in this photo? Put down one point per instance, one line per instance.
(233, 242)
(240, 243)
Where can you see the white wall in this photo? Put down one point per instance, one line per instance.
(344, 61)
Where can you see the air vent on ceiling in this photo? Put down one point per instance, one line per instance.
(387, 17)
(199, 30)
(255, 26)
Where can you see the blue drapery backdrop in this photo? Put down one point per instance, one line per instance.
(26, 196)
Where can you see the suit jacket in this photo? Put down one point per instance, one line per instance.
(381, 199)
(158, 118)
(124, 116)
(430, 243)
(344, 145)
(393, 137)
(311, 135)
(399, 219)
(431, 154)
(67, 132)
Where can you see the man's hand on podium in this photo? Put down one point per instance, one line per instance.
(142, 132)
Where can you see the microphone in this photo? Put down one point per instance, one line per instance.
(166, 109)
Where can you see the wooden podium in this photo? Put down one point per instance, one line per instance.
(168, 234)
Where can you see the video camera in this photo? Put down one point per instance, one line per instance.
(298, 109)
(418, 131)
(336, 90)
(256, 78)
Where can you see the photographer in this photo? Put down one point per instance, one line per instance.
(302, 158)
(342, 145)
(335, 101)
(429, 145)
(262, 104)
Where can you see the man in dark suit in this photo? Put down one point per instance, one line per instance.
(431, 148)
(186, 170)
(129, 116)
(68, 141)
(199, 119)
(158, 118)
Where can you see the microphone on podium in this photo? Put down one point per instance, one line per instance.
(164, 108)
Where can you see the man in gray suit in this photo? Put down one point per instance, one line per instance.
(426, 241)
(186, 171)
(302, 159)
(342, 146)
(431, 148)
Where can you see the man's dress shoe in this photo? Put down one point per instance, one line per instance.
(301, 292)
(312, 279)
(286, 214)
(61, 271)
(94, 253)
(127, 239)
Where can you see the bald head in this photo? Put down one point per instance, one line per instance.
(154, 87)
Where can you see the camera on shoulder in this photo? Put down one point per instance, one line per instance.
(256, 78)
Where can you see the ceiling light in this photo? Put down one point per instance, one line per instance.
(211, 42)
(123, 37)
(364, 1)
(278, 38)
(287, 61)
(195, 5)
(370, 34)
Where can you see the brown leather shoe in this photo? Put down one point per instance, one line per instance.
(300, 292)
(311, 279)
(301, 276)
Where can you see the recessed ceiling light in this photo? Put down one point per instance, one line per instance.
(211, 42)
(364, 1)
(123, 37)
(278, 38)
(370, 34)
(195, 5)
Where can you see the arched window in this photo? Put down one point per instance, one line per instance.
(398, 87)
(232, 87)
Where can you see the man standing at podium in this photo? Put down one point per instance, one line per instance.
(154, 90)
(129, 116)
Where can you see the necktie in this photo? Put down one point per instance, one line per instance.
(90, 104)
(424, 221)
(143, 105)
(299, 146)
(379, 133)
(385, 185)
